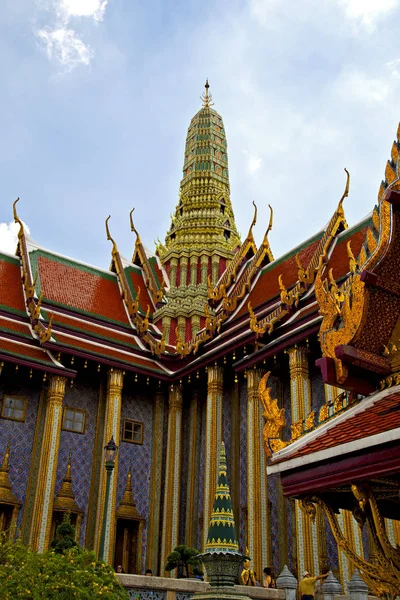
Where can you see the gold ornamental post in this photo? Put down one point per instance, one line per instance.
(213, 440)
(48, 459)
(170, 528)
(115, 380)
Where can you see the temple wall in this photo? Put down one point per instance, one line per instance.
(19, 434)
(84, 396)
(137, 405)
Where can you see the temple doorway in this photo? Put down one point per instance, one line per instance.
(126, 546)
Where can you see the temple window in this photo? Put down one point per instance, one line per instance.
(14, 407)
(132, 431)
(74, 420)
(227, 234)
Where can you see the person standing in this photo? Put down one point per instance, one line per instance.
(307, 585)
(268, 581)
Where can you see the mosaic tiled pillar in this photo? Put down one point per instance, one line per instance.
(170, 527)
(195, 324)
(153, 538)
(46, 479)
(166, 324)
(213, 439)
(331, 392)
(172, 273)
(183, 265)
(352, 534)
(300, 393)
(300, 384)
(112, 426)
(193, 270)
(257, 500)
(214, 268)
(191, 516)
(204, 269)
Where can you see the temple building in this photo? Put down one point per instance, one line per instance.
(210, 338)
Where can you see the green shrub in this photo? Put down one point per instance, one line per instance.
(182, 557)
(73, 573)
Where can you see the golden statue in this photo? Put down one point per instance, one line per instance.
(247, 576)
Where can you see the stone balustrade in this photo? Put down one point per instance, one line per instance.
(141, 587)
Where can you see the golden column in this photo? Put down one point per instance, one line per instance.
(300, 393)
(191, 516)
(48, 459)
(300, 384)
(115, 381)
(257, 498)
(213, 439)
(215, 271)
(170, 527)
(204, 269)
(193, 270)
(172, 273)
(153, 542)
(183, 263)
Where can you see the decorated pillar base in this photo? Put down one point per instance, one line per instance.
(221, 594)
(222, 568)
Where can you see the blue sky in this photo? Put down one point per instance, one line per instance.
(96, 97)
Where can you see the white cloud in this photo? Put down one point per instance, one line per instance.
(367, 11)
(61, 42)
(253, 164)
(9, 236)
(64, 46)
(83, 8)
(356, 86)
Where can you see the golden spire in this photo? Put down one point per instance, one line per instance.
(127, 508)
(115, 249)
(65, 499)
(6, 495)
(206, 98)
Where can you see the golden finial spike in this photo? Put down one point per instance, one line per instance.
(17, 219)
(6, 458)
(352, 261)
(254, 221)
(129, 481)
(346, 191)
(133, 228)
(67, 476)
(206, 98)
(271, 218)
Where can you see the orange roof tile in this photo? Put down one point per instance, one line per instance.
(104, 352)
(79, 287)
(97, 330)
(11, 295)
(17, 327)
(25, 352)
(378, 418)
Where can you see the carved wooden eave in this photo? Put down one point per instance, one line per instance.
(140, 258)
(247, 249)
(6, 495)
(241, 287)
(33, 304)
(306, 275)
(360, 315)
(139, 323)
